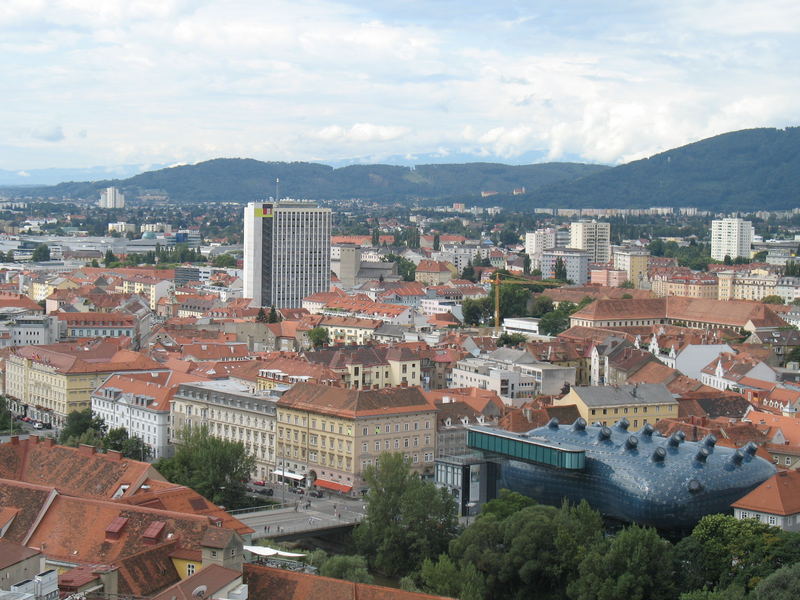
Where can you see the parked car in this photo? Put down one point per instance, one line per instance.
(316, 494)
(38, 425)
(265, 491)
(261, 483)
(297, 490)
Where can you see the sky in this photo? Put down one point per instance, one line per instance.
(161, 82)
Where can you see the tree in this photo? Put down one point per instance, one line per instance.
(78, 422)
(541, 306)
(635, 565)
(41, 253)
(350, 568)
(405, 268)
(215, 468)
(376, 238)
(407, 519)
(130, 446)
(723, 551)
(511, 339)
(627, 284)
(224, 261)
(7, 423)
(469, 272)
(318, 336)
(476, 311)
(110, 258)
(783, 584)
(261, 317)
(772, 299)
(273, 315)
(436, 242)
(560, 270)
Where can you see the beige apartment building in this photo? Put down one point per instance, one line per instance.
(695, 285)
(327, 436)
(641, 404)
(48, 382)
(368, 367)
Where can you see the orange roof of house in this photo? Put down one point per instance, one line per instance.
(159, 386)
(266, 583)
(778, 495)
(97, 356)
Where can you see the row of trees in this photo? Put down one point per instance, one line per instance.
(82, 427)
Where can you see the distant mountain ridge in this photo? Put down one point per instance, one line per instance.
(245, 179)
(742, 170)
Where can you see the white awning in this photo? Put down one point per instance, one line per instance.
(288, 474)
(265, 551)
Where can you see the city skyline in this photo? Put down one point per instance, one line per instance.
(180, 82)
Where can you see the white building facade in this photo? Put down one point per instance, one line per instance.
(731, 237)
(592, 236)
(575, 261)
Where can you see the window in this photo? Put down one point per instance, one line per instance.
(788, 460)
(377, 445)
(388, 428)
(190, 569)
(772, 520)
(365, 431)
(396, 444)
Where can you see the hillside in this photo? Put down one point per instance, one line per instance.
(742, 170)
(243, 180)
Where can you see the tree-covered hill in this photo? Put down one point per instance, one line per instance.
(243, 180)
(743, 170)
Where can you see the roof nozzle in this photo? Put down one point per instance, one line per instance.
(579, 424)
(632, 442)
(710, 441)
(695, 486)
(552, 423)
(702, 455)
(605, 434)
(750, 448)
(659, 454)
(737, 457)
(647, 430)
(623, 424)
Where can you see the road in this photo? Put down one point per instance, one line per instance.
(330, 511)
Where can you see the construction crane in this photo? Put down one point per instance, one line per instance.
(496, 281)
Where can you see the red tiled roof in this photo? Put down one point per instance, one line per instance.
(349, 403)
(266, 583)
(778, 495)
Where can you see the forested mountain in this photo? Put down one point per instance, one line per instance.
(742, 170)
(243, 180)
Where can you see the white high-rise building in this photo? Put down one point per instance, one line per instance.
(731, 237)
(538, 241)
(111, 197)
(287, 252)
(592, 236)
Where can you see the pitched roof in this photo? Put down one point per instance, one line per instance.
(350, 403)
(266, 583)
(75, 471)
(778, 495)
(213, 577)
(612, 395)
(11, 553)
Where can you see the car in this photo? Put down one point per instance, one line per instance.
(297, 490)
(261, 483)
(265, 492)
(38, 425)
(316, 494)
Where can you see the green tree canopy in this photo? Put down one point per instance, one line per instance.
(130, 446)
(78, 422)
(783, 584)
(273, 315)
(772, 299)
(215, 468)
(41, 253)
(224, 261)
(405, 268)
(634, 565)
(349, 567)
(511, 339)
(318, 336)
(407, 519)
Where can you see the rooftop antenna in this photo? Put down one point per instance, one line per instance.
(277, 181)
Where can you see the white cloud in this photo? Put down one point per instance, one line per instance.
(174, 81)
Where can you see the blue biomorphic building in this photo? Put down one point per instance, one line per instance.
(640, 476)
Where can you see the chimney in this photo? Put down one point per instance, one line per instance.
(48, 442)
(86, 450)
(114, 455)
(34, 439)
(14, 440)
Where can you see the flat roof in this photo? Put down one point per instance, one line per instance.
(533, 440)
